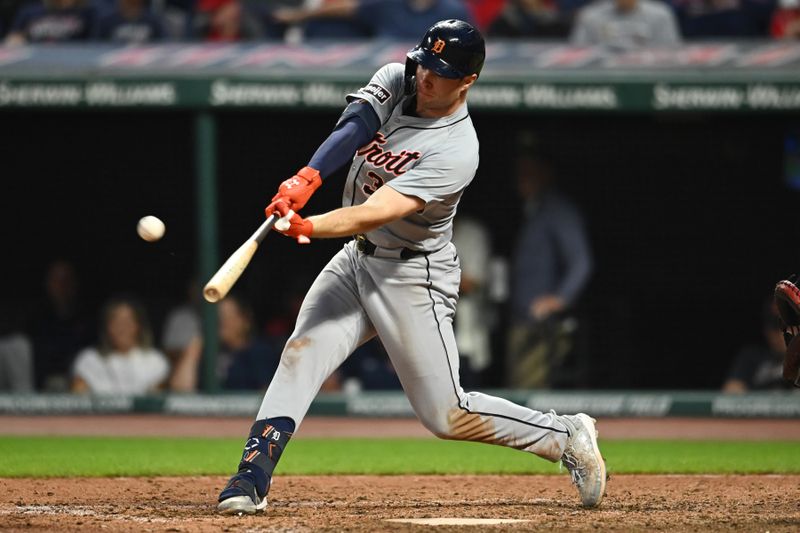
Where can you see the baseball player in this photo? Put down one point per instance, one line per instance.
(413, 151)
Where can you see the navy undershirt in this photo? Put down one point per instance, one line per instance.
(356, 129)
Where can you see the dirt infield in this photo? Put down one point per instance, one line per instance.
(363, 503)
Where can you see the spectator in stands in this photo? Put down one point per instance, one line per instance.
(8, 8)
(226, 21)
(185, 375)
(246, 360)
(551, 266)
(130, 21)
(176, 16)
(485, 12)
(389, 19)
(58, 327)
(569, 9)
(124, 361)
(51, 21)
(16, 363)
(626, 25)
(700, 19)
(333, 28)
(785, 22)
(262, 11)
(16, 351)
(760, 366)
(474, 319)
(182, 341)
(531, 19)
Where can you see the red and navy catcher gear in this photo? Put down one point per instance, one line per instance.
(787, 300)
(450, 48)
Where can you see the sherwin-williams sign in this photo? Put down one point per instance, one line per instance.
(518, 76)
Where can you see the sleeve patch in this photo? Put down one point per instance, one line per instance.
(380, 93)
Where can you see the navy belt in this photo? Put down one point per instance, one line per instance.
(364, 246)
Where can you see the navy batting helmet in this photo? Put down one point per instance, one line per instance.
(450, 48)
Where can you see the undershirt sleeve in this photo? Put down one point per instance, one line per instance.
(355, 128)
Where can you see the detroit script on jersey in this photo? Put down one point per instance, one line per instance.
(432, 159)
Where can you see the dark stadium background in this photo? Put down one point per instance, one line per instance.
(689, 218)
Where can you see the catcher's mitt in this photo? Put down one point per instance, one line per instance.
(787, 299)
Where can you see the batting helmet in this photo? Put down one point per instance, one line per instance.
(450, 48)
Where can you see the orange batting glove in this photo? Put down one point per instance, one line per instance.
(293, 225)
(296, 191)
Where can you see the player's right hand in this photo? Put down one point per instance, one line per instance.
(295, 192)
(293, 225)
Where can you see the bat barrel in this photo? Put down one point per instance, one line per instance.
(218, 286)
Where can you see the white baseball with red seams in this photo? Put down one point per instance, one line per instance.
(150, 228)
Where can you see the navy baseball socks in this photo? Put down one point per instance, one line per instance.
(246, 492)
(583, 460)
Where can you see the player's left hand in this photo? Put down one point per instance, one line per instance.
(293, 225)
(296, 191)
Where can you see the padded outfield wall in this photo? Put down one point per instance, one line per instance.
(682, 160)
(390, 404)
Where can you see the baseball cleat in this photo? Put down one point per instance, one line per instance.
(241, 505)
(240, 495)
(583, 460)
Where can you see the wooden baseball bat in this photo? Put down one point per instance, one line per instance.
(219, 285)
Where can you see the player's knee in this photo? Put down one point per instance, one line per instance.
(440, 431)
(438, 425)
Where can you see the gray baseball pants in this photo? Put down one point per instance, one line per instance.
(410, 305)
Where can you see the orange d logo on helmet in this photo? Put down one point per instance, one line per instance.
(438, 46)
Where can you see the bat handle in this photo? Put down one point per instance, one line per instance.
(264, 228)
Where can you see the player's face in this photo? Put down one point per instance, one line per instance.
(438, 96)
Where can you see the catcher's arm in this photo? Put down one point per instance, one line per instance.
(787, 299)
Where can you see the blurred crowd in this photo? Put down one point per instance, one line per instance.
(615, 23)
(65, 347)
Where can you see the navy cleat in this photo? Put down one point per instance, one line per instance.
(240, 495)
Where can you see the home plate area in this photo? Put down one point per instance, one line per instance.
(456, 521)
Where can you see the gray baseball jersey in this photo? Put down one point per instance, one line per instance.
(409, 303)
(433, 160)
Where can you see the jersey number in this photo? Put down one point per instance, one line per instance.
(377, 182)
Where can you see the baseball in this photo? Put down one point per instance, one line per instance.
(150, 228)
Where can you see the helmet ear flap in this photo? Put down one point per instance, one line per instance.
(410, 78)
